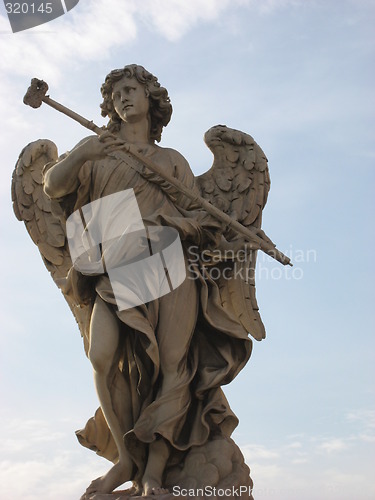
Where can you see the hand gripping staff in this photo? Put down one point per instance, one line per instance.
(36, 94)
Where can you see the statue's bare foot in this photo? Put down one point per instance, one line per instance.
(135, 490)
(117, 475)
(152, 487)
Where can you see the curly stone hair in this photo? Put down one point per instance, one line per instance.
(160, 106)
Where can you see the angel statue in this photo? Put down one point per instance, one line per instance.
(160, 364)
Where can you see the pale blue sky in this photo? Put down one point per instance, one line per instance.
(299, 77)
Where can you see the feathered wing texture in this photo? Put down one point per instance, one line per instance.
(238, 183)
(44, 219)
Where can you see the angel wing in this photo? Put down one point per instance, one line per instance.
(45, 221)
(238, 183)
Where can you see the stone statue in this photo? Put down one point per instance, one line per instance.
(158, 366)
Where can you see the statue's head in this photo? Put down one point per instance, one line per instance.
(160, 106)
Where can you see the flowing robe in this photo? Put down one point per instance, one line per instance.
(205, 336)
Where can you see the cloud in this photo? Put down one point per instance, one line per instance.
(78, 33)
(298, 466)
(340, 482)
(38, 463)
(57, 49)
(332, 445)
(259, 452)
(94, 28)
(365, 420)
(61, 478)
(173, 18)
(295, 445)
(26, 434)
(90, 32)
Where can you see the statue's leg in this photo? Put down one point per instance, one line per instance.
(104, 342)
(177, 318)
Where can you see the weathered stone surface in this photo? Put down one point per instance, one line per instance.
(216, 464)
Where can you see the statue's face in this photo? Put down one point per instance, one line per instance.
(130, 100)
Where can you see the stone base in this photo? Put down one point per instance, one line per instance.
(216, 468)
(213, 471)
(124, 495)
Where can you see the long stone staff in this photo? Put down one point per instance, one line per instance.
(36, 94)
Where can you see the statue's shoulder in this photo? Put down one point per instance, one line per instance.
(176, 158)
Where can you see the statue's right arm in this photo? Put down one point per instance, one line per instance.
(62, 178)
